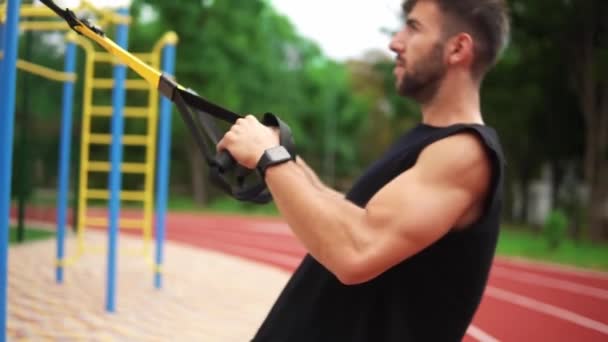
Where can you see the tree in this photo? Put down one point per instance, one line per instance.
(577, 31)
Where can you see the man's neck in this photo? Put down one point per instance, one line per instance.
(456, 101)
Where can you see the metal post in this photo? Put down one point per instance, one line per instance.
(65, 144)
(164, 156)
(7, 120)
(118, 103)
(1, 42)
(24, 185)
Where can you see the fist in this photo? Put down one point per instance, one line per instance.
(247, 140)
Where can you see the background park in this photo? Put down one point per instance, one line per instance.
(547, 98)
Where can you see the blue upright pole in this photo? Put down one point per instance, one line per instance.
(118, 103)
(64, 157)
(7, 120)
(164, 156)
(1, 42)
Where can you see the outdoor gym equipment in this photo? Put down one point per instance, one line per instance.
(166, 47)
(224, 171)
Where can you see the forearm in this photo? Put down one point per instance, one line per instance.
(314, 179)
(329, 226)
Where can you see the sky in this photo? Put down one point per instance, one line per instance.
(342, 28)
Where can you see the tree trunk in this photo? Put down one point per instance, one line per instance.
(593, 94)
(598, 208)
(198, 172)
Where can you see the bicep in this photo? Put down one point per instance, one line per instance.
(409, 214)
(422, 204)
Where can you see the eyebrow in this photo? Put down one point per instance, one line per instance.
(413, 22)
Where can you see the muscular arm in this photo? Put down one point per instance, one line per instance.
(408, 214)
(314, 179)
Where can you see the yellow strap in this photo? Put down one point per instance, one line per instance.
(142, 69)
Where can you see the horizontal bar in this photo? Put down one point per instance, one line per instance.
(43, 26)
(45, 72)
(125, 167)
(96, 250)
(123, 223)
(105, 57)
(33, 11)
(108, 83)
(129, 112)
(125, 195)
(65, 262)
(127, 139)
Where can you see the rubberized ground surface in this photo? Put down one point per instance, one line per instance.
(524, 301)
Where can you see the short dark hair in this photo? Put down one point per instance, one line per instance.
(487, 21)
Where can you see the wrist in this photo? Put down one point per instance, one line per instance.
(271, 157)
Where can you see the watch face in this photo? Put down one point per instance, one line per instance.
(278, 153)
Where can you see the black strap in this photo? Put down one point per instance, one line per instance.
(222, 166)
(71, 18)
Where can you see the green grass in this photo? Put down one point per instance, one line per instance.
(527, 244)
(31, 234)
(514, 241)
(224, 206)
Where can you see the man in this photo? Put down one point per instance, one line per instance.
(405, 255)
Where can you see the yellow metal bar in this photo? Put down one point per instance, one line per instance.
(43, 26)
(105, 57)
(100, 250)
(129, 112)
(45, 72)
(65, 262)
(108, 83)
(169, 38)
(110, 16)
(123, 223)
(85, 133)
(124, 195)
(127, 139)
(125, 167)
(29, 11)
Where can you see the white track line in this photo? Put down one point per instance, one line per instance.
(531, 278)
(480, 335)
(547, 309)
(540, 265)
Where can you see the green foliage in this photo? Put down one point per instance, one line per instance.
(31, 234)
(555, 228)
(521, 242)
(250, 59)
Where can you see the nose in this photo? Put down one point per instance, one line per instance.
(397, 44)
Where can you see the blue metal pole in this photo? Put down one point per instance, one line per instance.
(164, 156)
(7, 120)
(1, 42)
(64, 157)
(118, 103)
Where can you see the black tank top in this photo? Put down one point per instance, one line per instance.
(431, 296)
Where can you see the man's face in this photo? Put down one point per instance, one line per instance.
(420, 64)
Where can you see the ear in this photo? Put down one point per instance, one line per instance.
(460, 49)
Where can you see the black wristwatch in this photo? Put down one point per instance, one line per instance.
(273, 156)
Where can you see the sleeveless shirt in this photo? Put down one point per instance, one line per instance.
(431, 296)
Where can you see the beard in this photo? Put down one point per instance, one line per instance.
(422, 79)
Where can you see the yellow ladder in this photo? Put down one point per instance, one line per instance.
(92, 137)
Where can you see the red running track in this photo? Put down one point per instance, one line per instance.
(524, 301)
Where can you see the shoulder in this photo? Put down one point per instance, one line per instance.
(461, 158)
